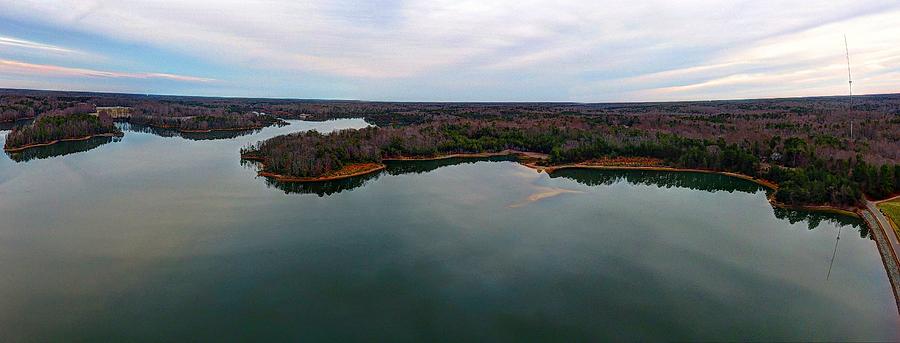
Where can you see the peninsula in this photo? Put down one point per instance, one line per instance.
(804, 174)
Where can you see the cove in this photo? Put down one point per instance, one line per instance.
(160, 236)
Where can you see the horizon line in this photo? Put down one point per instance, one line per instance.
(3, 89)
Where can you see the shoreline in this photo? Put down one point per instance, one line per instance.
(762, 182)
(284, 178)
(168, 127)
(465, 155)
(38, 145)
(378, 166)
(371, 168)
(773, 187)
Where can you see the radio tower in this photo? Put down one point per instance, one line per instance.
(849, 76)
(849, 83)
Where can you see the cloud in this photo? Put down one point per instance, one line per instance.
(499, 49)
(17, 67)
(21, 43)
(804, 61)
(542, 193)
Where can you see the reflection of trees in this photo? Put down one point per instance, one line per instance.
(813, 219)
(194, 136)
(695, 181)
(393, 168)
(60, 149)
(703, 182)
(322, 188)
(418, 167)
(591, 177)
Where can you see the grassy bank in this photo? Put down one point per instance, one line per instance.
(891, 209)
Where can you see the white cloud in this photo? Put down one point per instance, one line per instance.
(592, 50)
(26, 44)
(808, 60)
(18, 67)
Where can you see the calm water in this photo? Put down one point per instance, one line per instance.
(160, 237)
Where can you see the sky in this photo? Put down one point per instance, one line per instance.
(453, 50)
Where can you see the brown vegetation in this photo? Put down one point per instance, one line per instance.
(52, 128)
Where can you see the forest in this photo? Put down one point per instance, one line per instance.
(60, 124)
(806, 176)
(18, 107)
(198, 118)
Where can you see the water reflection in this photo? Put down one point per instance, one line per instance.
(813, 219)
(325, 188)
(60, 149)
(590, 177)
(694, 181)
(72, 147)
(419, 167)
(704, 182)
(194, 136)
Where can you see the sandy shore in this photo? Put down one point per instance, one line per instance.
(285, 178)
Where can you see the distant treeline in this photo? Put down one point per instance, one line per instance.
(14, 108)
(197, 118)
(805, 177)
(207, 122)
(823, 122)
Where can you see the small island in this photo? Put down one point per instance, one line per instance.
(52, 128)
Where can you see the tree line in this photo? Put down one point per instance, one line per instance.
(14, 108)
(198, 118)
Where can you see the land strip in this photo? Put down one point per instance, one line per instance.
(37, 145)
(346, 172)
(175, 128)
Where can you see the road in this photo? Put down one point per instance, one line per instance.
(886, 226)
(888, 245)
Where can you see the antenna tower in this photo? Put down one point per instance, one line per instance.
(849, 75)
(849, 83)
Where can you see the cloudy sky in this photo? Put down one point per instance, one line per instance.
(453, 50)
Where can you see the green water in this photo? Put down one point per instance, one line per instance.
(162, 237)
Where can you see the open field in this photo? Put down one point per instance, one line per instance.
(892, 210)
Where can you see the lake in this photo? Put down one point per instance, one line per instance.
(158, 236)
